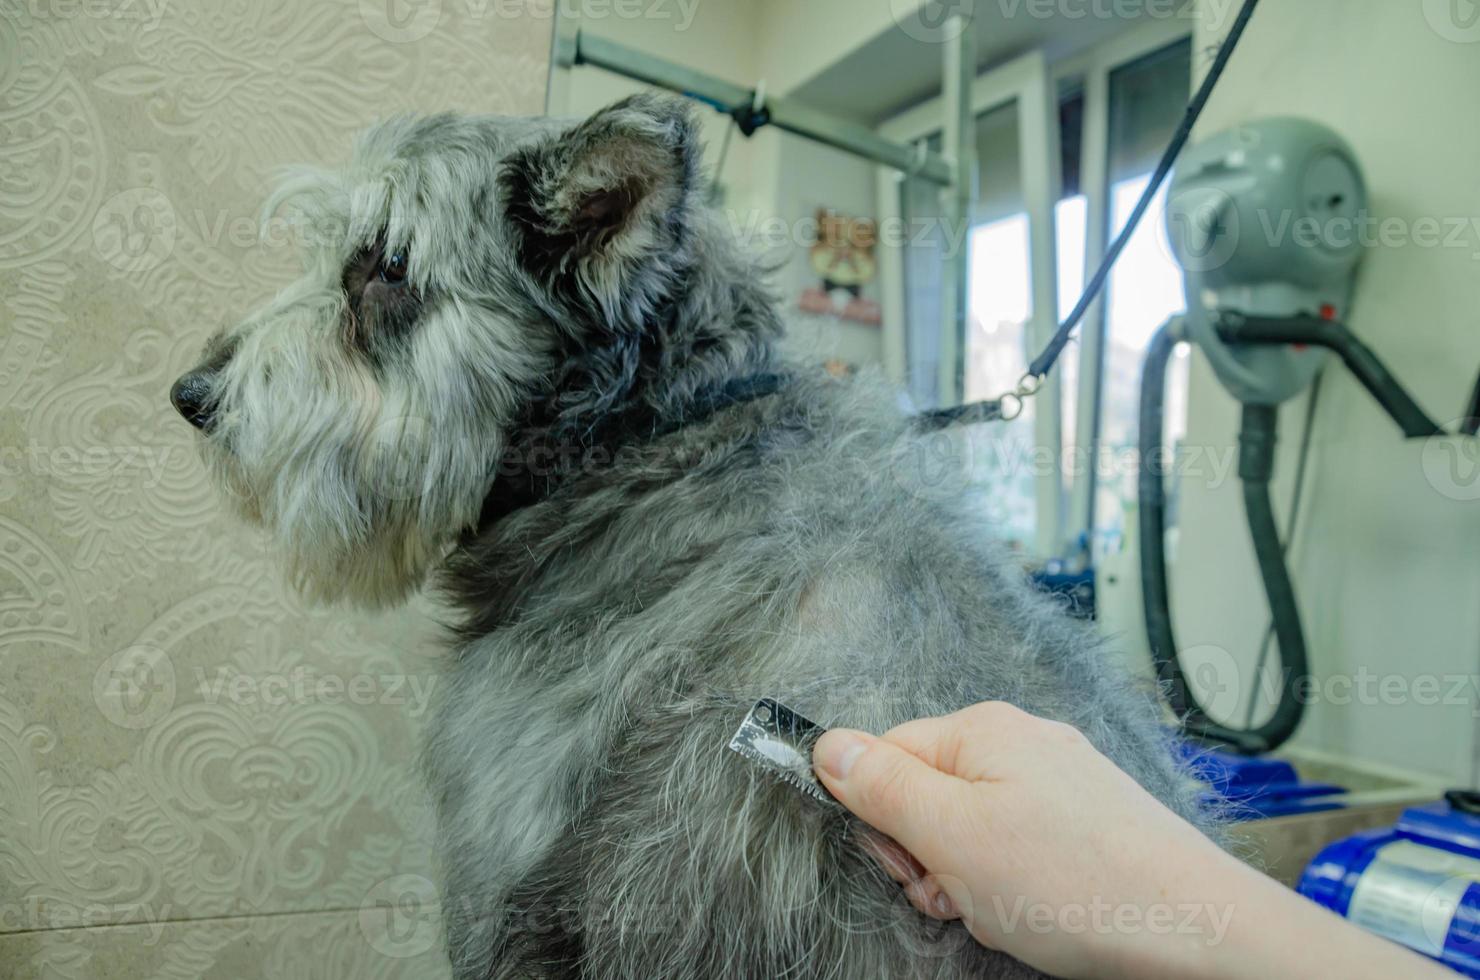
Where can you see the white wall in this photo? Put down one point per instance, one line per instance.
(1387, 562)
(802, 37)
(152, 654)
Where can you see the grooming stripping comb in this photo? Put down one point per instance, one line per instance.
(780, 741)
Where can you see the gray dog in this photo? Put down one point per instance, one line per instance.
(524, 358)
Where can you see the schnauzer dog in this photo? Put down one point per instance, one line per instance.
(529, 364)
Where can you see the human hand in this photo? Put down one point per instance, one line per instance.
(1004, 812)
(1049, 852)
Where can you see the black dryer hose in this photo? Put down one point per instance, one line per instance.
(1256, 462)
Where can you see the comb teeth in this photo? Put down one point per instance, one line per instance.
(779, 741)
(812, 789)
(809, 787)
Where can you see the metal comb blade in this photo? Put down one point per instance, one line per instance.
(780, 741)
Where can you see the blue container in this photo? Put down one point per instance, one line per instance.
(1258, 786)
(1417, 883)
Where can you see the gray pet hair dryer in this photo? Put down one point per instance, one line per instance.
(1265, 220)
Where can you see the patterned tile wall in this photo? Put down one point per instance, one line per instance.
(199, 775)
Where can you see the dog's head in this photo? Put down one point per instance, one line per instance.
(463, 276)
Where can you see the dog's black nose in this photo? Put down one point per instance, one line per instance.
(191, 396)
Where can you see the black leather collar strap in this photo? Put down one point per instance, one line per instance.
(537, 468)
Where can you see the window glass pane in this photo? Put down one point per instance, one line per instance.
(999, 304)
(1147, 99)
(1145, 290)
(923, 255)
(999, 294)
(1070, 216)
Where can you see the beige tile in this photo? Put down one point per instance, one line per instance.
(213, 766)
(1282, 847)
(371, 944)
(179, 736)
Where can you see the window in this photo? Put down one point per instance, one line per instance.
(1000, 303)
(1147, 98)
(999, 307)
(1144, 291)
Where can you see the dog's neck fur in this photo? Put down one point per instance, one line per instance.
(711, 346)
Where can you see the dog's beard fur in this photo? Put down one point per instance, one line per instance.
(543, 260)
(362, 476)
(365, 464)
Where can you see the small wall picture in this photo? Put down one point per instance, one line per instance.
(842, 257)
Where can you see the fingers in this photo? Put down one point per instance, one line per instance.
(915, 783)
(922, 890)
(965, 743)
(898, 863)
(888, 787)
(927, 896)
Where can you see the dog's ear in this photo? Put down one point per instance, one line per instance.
(595, 202)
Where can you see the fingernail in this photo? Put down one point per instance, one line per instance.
(837, 750)
(943, 905)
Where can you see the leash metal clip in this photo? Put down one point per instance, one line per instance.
(1010, 404)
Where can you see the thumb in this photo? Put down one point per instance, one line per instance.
(890, 789)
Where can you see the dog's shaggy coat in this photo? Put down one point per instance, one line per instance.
(523, 354)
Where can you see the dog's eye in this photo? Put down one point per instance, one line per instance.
(393, 267)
